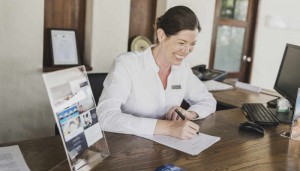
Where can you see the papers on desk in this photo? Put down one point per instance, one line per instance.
(11, 158)
(191, 146)
(247, 86)
(213, 85)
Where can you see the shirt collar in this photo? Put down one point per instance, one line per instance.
(149, 59)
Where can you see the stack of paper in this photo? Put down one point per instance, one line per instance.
(11, 158)
(213, 85)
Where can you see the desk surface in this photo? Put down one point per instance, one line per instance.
(236, 97)
(235, 151)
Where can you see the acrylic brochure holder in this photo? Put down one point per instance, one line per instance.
(75, 114)
(295, 129)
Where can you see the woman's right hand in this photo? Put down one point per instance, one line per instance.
(182, 129)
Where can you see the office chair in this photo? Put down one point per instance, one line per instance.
(96, 82)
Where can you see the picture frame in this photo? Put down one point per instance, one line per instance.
(64, 48)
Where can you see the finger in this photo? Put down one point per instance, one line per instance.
(178, 117)
(168, 116)
(189, 134)
(174, 116)
(194, 127)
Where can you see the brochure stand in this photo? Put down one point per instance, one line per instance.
(75, 114)
(295, 129)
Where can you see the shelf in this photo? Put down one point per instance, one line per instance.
(50, 69)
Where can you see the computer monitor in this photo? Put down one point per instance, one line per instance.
(288, 78)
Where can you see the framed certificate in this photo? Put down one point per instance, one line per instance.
(64, 47)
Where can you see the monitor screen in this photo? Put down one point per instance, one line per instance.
(288, 77)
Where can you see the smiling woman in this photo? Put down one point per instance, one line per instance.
(143, 89)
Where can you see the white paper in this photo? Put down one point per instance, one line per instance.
(64, 47)
(248, 87)
(11, 158)
(213, 85)
(191, 146)
(75, 99)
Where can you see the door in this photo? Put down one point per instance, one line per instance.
(233, 36)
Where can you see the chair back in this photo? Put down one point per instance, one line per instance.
(96, 82)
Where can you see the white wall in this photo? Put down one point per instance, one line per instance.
(270, 42)
(109, 33)
(24, 105)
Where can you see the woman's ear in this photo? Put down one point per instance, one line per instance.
(160, 35)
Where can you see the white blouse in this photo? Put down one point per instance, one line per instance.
(133, 97)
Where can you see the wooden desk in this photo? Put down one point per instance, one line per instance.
(235, 151)
(236, 97)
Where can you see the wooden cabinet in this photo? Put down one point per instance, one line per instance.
(142, 19)
(65, 14)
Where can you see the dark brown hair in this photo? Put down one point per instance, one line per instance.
(176, 19)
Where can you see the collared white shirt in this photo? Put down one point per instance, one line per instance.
(133, 97)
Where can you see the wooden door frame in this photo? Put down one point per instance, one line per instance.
(245, 71)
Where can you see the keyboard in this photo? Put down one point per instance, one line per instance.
(259, 114)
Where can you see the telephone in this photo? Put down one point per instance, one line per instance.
(208, 74)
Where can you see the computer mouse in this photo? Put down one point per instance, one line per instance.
(252, 127)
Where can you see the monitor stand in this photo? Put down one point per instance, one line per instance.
(282, 117)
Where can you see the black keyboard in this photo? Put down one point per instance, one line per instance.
(259, 114)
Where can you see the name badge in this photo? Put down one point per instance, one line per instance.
(176, 86)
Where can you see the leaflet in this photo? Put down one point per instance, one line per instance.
(11, 158)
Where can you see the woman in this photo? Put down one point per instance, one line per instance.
(142, 90)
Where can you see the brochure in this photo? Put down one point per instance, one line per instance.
(295, 130)
(74, 110)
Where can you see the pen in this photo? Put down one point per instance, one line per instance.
(182, 116)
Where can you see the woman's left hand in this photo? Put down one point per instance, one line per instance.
(172, 115)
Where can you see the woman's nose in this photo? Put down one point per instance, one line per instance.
(186, 49)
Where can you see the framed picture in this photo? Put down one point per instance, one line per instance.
(64, 47)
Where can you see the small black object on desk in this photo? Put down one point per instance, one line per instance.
(272, 103)
(251, 127)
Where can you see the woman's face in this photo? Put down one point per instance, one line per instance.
(178, 46)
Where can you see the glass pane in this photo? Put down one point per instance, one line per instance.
(229, 48)
(234, 9)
